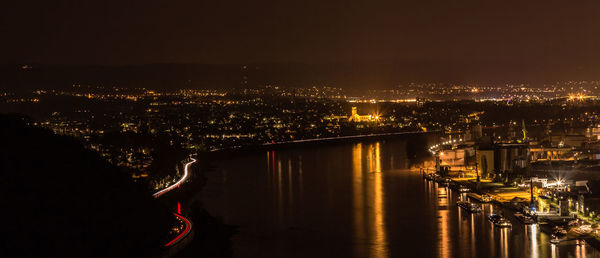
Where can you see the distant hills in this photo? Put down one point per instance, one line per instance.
(357, 76)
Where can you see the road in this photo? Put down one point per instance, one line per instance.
(188, 223)
(179, 182)
(186, 231)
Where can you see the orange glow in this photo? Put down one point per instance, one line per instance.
(444, 241)
(368, 199)
(359, 208)
(379, 235)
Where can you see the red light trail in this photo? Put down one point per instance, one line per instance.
(186, 231)
(188, 224)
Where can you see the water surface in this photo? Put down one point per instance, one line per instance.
(357, 200)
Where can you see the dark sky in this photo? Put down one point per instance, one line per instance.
(563, 37)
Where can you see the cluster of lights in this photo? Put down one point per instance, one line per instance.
(433, 148)
(578, 97)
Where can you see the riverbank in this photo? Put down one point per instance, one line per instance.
(306, 143)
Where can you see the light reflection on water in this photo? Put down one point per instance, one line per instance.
(369, 184)
(357, 200)
(358, 185)
(444, 239)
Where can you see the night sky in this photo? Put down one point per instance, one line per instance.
(474, 39)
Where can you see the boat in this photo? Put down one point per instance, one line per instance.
(429, 176)
(441, 181)
(524, 219)
(484, 198)
(555, 241)
(494, 217)
(559, 231)
(499, 220)
(444, 181)
(469, 206)
(464, 189)
(502, 222)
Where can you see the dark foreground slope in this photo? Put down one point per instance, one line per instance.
(61, 200)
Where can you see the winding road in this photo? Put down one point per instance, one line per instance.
(186, 231)
(176, 184)
(188, 223)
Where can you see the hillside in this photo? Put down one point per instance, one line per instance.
(61, 200)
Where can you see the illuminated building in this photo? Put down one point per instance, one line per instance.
(355, 117)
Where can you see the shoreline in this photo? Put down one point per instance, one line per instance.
(314, 141)
(545, 227)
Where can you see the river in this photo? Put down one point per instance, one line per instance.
(358, 199)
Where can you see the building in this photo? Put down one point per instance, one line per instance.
(484, 161)
(511, 157)
(355, 117)
(540, 153)
(593, 132)
(453, 158)
(487, 158)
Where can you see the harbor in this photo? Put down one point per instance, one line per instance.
(513, 175)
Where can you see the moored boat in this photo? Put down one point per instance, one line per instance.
(499, 220)
(503, 222)
(524, 219)
(469, 206)
(484, 198)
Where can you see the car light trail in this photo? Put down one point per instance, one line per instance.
(186, 231)
(181, 180)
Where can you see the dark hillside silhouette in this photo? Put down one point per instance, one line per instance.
(62, 200)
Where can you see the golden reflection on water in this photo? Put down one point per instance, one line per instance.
(442, 197)
(473, 236)
(443, 221)
(377, 158)
(359, 226)
(533, 230)
(380, 234)
(580, 249)
(372, 228)
(444, 238)
(504, 232)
